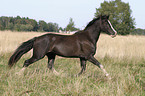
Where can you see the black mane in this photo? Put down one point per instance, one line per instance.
(92, 22)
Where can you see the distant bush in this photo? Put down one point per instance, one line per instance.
(138, 31)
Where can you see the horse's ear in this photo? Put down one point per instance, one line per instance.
(101, 17)
(107, 16)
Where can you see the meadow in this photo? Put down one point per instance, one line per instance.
(123, 58)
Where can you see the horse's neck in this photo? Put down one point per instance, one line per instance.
(93, 33)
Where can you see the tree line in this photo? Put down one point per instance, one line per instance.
(119, 12)
(26, 24)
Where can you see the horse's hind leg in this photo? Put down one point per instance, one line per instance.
(37, 55)
(39, 51)
(28, 62)
(51, 59)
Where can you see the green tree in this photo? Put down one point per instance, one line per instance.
(34, 24)
(120, 15)
(52, 27)
(26, 27)
(17, 27)
(71, 26)
(2, 23)
(56, 27)
(10, 26)
(42, 26)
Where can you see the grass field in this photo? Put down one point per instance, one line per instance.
(123, 57)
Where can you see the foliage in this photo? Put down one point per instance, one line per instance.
(120, 15)
(138, 31)
(26, 24)
(53, 27)
(71, 26)
(42, 26)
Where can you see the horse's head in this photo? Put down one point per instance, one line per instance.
(106, 26)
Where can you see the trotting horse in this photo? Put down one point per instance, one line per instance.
(81, 44)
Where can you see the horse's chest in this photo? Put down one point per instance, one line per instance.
(88, 48)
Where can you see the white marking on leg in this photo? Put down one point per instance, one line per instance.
(101, 66)
(23, 68)
(21, 71)
(106, 74)
(55, 72)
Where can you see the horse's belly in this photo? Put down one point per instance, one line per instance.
(69, 50)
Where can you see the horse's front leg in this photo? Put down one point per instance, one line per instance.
(83, 65)
(95, 62)
(51, 59)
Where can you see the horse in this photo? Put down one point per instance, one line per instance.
(81, 44)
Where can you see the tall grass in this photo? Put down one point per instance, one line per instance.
(123, 57)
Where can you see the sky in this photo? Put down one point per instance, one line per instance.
(60, 11)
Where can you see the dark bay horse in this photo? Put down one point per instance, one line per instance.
(81, 44)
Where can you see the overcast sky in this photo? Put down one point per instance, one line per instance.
(59, 11)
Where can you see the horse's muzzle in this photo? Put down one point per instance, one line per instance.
(114, 35)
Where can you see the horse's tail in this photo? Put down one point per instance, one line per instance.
(22, 49)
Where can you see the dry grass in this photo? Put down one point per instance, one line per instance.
(9, 41)
(122, 47)
(123, 57)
